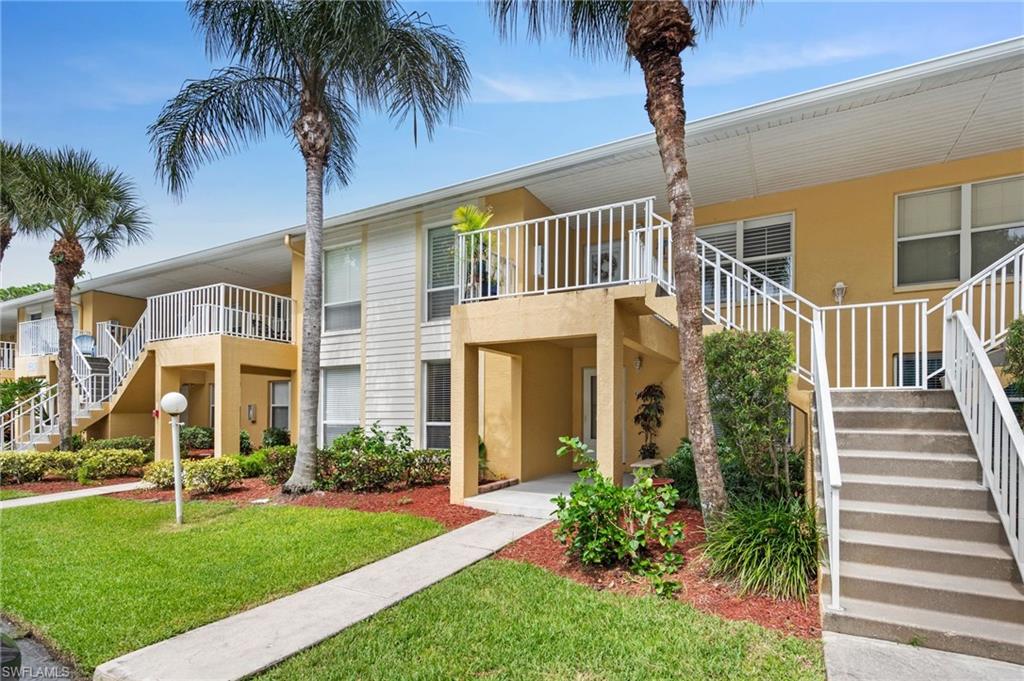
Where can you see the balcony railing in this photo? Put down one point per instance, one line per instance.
(220, 309)
(110, 337)
(7, 355)
(37, 337)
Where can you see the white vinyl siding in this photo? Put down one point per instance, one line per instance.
(440, 273)
(342, 288)
(949, 234)
(339, 402)
(280, 404)
(438, 407)
(763, 244)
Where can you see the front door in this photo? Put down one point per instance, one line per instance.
(590, 408)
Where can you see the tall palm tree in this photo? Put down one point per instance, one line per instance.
(14, 199)
(85, 207)
(307, 67)
(654, 33)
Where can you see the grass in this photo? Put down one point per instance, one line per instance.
(6, 494)
(102, 577)
(507, 620)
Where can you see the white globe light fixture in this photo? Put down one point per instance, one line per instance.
(175, 404)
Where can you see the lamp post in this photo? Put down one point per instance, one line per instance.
(175, 404)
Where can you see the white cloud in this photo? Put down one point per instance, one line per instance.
(564, 86)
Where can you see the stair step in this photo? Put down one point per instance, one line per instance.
(946, 465)
(958, 594)
(878, 417)
(913, 490)
(882, 399)
(987, 560)
(978, 636)
(928, 521)
(904, 439)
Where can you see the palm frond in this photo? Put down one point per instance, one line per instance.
(341, 154)
(211, 118)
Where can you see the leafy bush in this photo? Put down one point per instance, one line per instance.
(279, 463)
(253, 465)
(244, 442)
(740, 485)
(160, 473)
(364, 460)
(210, 476)
(427, 466)
(110, 463)
(196, 437)
(748, 385)
(648, 417)
(64, 464)
(1014, 363)
(75, 442)
(276, 437)
(16, 390)
(145, 444)
(19, 467)
(768, 546)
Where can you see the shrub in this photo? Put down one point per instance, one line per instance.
(363, 460)
(210, 476)
(276, 437)
(110, 463)
(740, 485)
(19, 467)
(1014, 363)
(244, 442)
(427, 466)
(768, 546)
(372, 470)
(16, 390)
(196, 437)
(145, 444)
(648, 417)
(253, 465)
(279, 463)
(64, 464)
(75, 442)
(160, 473)
(748, 385)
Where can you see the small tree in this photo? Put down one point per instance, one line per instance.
(649, 416)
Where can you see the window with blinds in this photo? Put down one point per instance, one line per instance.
(342, 288)
(280, 404)
(438, 407)
(339, 408)
(763, 244)
(440, 273)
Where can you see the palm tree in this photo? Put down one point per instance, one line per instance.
(655, 33)
(14, 199)
(307, 68)
(85, 207)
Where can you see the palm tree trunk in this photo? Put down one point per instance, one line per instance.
(6, 236)
(304, 474)
(657, 33)
(67, 257)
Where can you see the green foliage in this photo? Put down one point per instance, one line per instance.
(361, 460)
(63, 464)
(427, 466)
(12, 292)
(146, 444)
(75, 442)
(253, 465)
(748, 383)
(83, 465)
(740, 484)
(211, 476)
(769, 546)
(160, 473)
(110, 463)
(275, 437)
(19, 467)
(14, 391)
(244, 442)
(278, 463)
(1014, 363)
(196, 437)
(648, 417)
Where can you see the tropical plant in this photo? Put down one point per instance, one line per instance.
(146, 444)
(1013, 365)
(655, 34)
(648, 417)
(307, 69)
(15, 390)
(275, 437)
(195, 437)
(85, 207)
(740, 484)
(211, 476)
(17, 203)
(12, 292)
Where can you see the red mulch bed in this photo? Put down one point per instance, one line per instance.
(428, 502)
(54, 485)
(720, 598)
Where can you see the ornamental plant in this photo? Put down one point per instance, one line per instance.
(19, 467)
(278, 463)
(275, 437)
(196, 437)
(110, 463)
(648, 417)
(212, 476)
(146, 444)
(427, 466)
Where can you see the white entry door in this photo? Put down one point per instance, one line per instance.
(590, 408)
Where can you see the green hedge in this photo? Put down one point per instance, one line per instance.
(83, 465)
(146, 444)
(205, 476)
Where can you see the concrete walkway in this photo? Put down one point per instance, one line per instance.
(853, 658)
(531, 499)
(73, 494)
(249, 642)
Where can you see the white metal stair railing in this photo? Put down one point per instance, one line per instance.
(7, 353)
(993, 426)
(126, 356)
(31, 419)
(109, 338)
(91, 387)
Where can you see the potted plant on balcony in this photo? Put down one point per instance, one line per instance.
(476, 251)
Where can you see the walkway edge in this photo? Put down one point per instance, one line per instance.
(37, 499)
(249, 642)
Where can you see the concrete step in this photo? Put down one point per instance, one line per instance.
(904, 440)
(910, 464)
(978, 636)
(918, 491)
(878, 417)
(917, 399)
(922, 521)
(957, 594)
(935, 554)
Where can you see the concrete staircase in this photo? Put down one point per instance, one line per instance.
(923, 556)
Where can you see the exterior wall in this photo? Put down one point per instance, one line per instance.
(100, 306)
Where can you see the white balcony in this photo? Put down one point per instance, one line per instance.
(38, 337)
(7, 356)
(220, 309)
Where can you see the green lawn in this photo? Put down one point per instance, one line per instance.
(102, 577)
(506, 620)
(6, 494)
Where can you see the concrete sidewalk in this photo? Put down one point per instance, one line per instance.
(73, 494)
(249, 642)
(853, 658)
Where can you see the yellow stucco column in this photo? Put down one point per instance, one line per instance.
(611, 378)
(465, 414)
(227, 404)
(168, 379)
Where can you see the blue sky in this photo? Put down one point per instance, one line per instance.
(95, 75)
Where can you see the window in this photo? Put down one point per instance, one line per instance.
(440, 273)
(342, 288)
(951, 233)
(763, 244)
(438, 406)
(909, 375)
(339, 406)
(212, 405)
(280, 404)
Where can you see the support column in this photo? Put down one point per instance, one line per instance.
(611, 382)
(168, 379)
(227, 404)
(465, 415)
